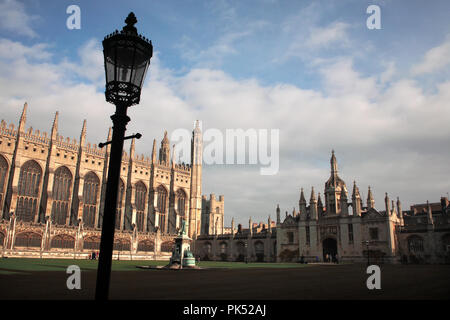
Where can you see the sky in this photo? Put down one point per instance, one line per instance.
(311, 69)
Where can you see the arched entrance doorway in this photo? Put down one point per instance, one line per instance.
(329, 248)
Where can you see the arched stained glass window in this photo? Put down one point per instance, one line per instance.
(140, 200)
(28, 191)
(3, 176)
(181, 203)
(90, 195)
(62, 184)
(162, 198)
(119, 203)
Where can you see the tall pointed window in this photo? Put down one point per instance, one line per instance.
(181, 203)
(308, 236)
(140, 197)
(119, 203)
(350, 233)
(162, 197)
(62, 184)
(3, 177)
(28, 191)
(90, 193)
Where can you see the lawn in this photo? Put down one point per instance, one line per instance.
(47, 279)
(14, 265)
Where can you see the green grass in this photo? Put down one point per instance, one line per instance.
(243, 265)
(24, 264)
(15, 265)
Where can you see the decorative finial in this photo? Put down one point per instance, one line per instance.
(130, 21)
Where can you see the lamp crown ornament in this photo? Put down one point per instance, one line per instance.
(130, 21)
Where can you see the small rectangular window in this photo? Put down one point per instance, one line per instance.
(373, 233)
(290, 236)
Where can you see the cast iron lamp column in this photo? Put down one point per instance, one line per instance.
(127, 57)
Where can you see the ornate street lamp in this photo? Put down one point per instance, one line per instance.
(127, 58)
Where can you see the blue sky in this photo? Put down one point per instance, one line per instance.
(309, 68)
(255, 36)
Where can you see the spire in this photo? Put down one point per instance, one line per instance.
(232, 226)
(173, 156)
(399, 208)
(393, 207)
(313, 197)
(109, 134)
(319, 201)
(313, 206)
(370, 200)
(355, 191)
(165, 140)
(356, 200)
(164, 152)
(278, 214)
(132, 149)
(154, 152)
(250, 226)
(83, 134)
(55, 126)
(269, 224)
(333, 163)
(302, 205)
(293, 212)
(302, 197)
(23, 119)
(197, 145)
(429, 214)
(386, 204)
(197, 127)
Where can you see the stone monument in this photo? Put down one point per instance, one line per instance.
(182, 256)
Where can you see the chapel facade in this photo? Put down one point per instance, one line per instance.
(52, 193)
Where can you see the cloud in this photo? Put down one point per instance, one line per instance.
(435, 59)
(90, 66)
(13, 18)
(391, 135)
(335, 33)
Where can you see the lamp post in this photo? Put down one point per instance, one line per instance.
(126, 57)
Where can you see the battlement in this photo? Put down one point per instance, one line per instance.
(212, 196)
(183, 167)
(67, 144)
(94, 150)
(142, 160)
(7, 130)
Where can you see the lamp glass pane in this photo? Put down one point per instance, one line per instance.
(140, 66)
(124, 63)
(109, 69)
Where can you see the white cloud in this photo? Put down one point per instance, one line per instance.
(393, 138)
(335, 33)
(90, 66)
(435, 59)
(13, 18)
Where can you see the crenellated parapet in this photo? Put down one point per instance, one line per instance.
(8, 130)
(183, 167)
(94, 150)
(67, 144)
(142, 160)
